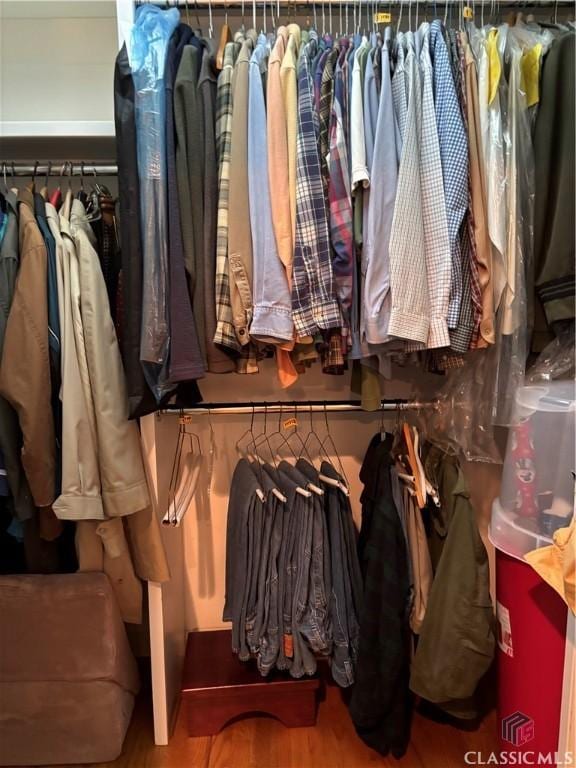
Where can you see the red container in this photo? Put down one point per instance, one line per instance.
(531, 639)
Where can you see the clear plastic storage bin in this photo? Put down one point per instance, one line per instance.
(537, 494)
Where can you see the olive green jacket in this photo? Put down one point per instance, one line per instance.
(457, 642)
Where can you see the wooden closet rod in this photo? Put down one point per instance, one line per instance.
(63, 168)
(301, 406)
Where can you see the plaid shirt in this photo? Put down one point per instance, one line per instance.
(437, 244)
(454, 155)
(224, 335)
(340, 200)
(324, 113)
(314, 303)
(410, 313)
(470, 315)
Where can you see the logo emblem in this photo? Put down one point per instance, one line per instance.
(517, 729)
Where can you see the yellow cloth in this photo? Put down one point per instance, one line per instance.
(556, 564)
(530, 66)
(495, 64)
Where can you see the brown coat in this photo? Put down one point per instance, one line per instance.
(25, 366)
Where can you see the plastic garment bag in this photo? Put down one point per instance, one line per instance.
(513, 320)
(151, 34)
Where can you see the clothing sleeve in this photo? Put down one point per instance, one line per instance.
(437, 243)
(409, 316)
(25, 369)
(124, 486)
(272, 319)
(357, 139)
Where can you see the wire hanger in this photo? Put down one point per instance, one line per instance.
(243, 452)
(185, 472)
(280, 496)
(330, 480)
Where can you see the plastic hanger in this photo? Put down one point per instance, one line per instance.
(56, 196)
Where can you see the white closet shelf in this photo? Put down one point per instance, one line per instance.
(48, 128)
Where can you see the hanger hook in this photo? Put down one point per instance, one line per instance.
(48, 169)
(210, 21)
(82, 175)
(36, 164)
(4, 174)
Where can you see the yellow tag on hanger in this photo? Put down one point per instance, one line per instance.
(185, 419)
(468, 13)
(382, 18)
(290, 423)
(530, 67)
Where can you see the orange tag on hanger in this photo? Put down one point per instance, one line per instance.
(382, 18)
(185, 419)
(290, 423)
(468, 13)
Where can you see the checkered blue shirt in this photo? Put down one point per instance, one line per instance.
(454, 156)
(314, 302)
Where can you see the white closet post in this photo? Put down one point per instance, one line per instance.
(166, 602)
(124, 20)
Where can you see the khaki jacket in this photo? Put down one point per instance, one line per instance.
(80, 496)
(25, 366)
(122, 477)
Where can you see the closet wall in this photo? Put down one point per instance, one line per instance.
(204, 526)
(56, 67)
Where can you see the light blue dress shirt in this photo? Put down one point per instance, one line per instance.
(370, 108)
(272, 313)
(376, 259)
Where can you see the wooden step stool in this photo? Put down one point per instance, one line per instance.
(218, 687)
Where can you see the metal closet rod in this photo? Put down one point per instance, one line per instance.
(63, 168)
(301, 406)
(192, 5)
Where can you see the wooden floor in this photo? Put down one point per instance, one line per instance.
(264, 743)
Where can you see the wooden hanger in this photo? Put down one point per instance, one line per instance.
(415, 466)
(225, 37)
